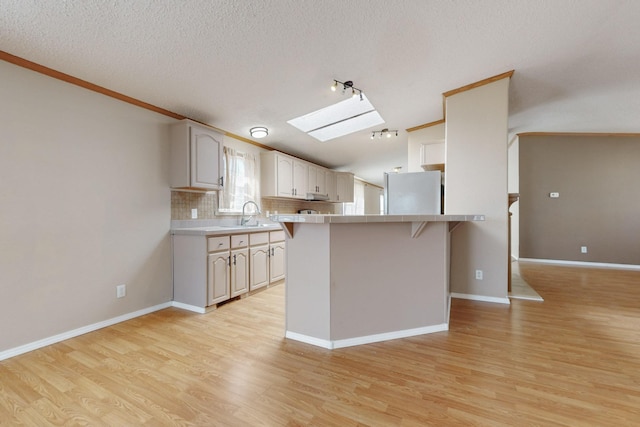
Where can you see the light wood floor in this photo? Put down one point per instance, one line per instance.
(571, 360)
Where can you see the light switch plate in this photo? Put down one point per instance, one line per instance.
(194, 213)
(554, 195)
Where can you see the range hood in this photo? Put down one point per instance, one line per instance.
(319, 197)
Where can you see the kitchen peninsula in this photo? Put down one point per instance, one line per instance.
(360, 279)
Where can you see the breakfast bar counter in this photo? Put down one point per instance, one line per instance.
(360, 279)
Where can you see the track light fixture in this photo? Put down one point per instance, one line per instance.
(347, 86)
(383, 132)
(259, 132)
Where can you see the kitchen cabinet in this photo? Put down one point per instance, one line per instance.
(239, 264)
(218, 278)
(276, 256)
(195, 157)
(283, 176)
(317, 182)
(218, 269)
(227, 267)
(344, 187)
(332, 190)
(432, 156)
(210, 269)
(267, 255)
(259, 260)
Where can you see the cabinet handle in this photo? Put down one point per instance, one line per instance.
(293, 191)
(221, 181)
(272, 251)
(234, 260)
(229, 259)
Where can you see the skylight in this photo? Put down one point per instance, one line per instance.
(343, 118)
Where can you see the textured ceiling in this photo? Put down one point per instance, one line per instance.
(237, 64)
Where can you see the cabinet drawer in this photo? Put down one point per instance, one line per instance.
(276, 236)
(239, 240)
(258, 238)
(219, 243)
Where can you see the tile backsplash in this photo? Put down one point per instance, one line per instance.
(206, 203)
(182, 202)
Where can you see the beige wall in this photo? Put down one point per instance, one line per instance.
(476, 183)
(84, 206)
(599, 207)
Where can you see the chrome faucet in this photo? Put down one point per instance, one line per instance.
(244, 221)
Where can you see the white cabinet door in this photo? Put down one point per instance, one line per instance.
(317, 180)
(332, 190)
(276, 262)
(321, 179)
(312, 182)
(344, 185)
(285, 176)
(239, 272)
(259, 266)
(206, 149)
(196, 156)
(218, 277)
(300, 177)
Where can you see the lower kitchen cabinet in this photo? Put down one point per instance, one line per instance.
(259, 266)
(218, 277)
(228, 270)
(267, 258)
(239, 264)
(208, 270)
(276, 256)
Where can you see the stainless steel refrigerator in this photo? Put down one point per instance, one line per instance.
(413, 193)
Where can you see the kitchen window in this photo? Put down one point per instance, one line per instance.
(241, 181)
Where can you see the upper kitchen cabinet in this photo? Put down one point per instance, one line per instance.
(344, 187)
(283, 176)
(332, 188)
(432, 156)
(196, 157)
(317, 180)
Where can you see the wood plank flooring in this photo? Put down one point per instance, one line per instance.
(572, 360)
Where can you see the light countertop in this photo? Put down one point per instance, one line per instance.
(221, 230)
(341, 219)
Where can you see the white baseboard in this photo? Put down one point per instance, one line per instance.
(498, 300)
(368, 339)
(309, 340)
(189, 307)
(583, 263)
(80, 331)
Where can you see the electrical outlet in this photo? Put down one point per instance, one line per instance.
(121, 291)
(583, 249)
(554, 195)
(194, 213)
(478, 274)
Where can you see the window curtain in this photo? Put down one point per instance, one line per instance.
(241, 182)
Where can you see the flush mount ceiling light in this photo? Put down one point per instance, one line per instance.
(259, 132)
(342, 118)
(347, 87)
(383, 132)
